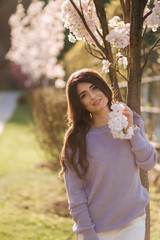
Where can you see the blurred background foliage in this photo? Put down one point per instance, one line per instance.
(50, 121)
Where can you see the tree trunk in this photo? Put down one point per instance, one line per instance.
(135, 75)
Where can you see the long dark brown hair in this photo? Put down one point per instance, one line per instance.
(79, 121)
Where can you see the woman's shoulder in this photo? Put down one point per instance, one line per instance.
(137, 119)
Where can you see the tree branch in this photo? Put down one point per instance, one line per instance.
(123, 6)
(127, 11)
(104, 25)
(148, 54)
(90, 51)
(144, 31)
(122, 75)
(99, 33)
(81, 7)
(86, 26)
(145, 16)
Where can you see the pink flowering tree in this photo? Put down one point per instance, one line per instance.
(117, 43)
(37, 38)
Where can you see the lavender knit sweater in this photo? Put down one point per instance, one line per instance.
(111, 194)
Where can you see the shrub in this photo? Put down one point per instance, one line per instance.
(49, 111)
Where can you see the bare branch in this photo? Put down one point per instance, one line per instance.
(127, 11)
(123, 6)
(144, 31)
(122, 75)
(145, 16)
(87, 27)
(81, 7)
(99, 33)
(104, 25)
(95, 50)
(148, 54)
(116, 69)
(91, 52)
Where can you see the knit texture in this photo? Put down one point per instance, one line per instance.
(111, 193)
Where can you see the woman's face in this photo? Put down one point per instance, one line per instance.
(91, 97)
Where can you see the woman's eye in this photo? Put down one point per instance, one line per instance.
(94, 87)
(83, 95)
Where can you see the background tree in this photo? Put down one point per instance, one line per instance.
(116, 43)
(37, 37)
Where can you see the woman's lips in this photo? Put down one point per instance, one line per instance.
(97, 102)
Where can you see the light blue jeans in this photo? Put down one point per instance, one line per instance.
(134, 230)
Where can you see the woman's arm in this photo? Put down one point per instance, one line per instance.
(145, 153)
(78, 205)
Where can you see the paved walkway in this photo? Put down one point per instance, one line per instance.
(8, 102)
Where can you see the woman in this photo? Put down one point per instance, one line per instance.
(106, 198)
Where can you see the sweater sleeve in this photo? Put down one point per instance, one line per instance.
(78, 205)
(145, 153)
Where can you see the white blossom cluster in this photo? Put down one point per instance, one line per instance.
(122, 60)
(106, 65)
(119, 36)
(73, 22)
(118, 123)
(59, 83)
(153, 20)
(37, 37)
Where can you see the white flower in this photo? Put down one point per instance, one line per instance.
(106, 65)
(119, 36)
(117, 107)
(122, 60)
(113, 21)
(130, 131)
(74, 23)
(41, 31)
(71, 38)
(153, 20)
(118, 123)
(59, 83)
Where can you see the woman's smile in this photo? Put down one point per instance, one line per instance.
(97, 102)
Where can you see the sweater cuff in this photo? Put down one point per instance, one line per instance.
(137, 138)
(90, 234)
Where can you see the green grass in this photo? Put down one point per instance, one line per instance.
(29, 194)
(32, 199)
(155, 210)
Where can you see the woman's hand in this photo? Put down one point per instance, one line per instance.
(129, 114)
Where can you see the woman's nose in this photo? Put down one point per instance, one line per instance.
(92, 95)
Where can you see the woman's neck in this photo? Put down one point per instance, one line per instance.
(101, 118)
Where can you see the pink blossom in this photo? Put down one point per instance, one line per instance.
(106, 65)
(153, 20)
(119, 36)
(37, 37)
(72, 20)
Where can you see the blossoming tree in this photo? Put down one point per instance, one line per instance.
(116, 43)
(37, 37)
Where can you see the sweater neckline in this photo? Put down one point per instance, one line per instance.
(104, 128)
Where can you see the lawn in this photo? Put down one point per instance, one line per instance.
(32, 199)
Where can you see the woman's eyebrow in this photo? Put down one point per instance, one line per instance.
(89, 87)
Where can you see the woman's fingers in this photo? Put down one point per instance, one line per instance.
(128, 113)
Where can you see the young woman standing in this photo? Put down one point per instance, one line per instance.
(106, 198)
